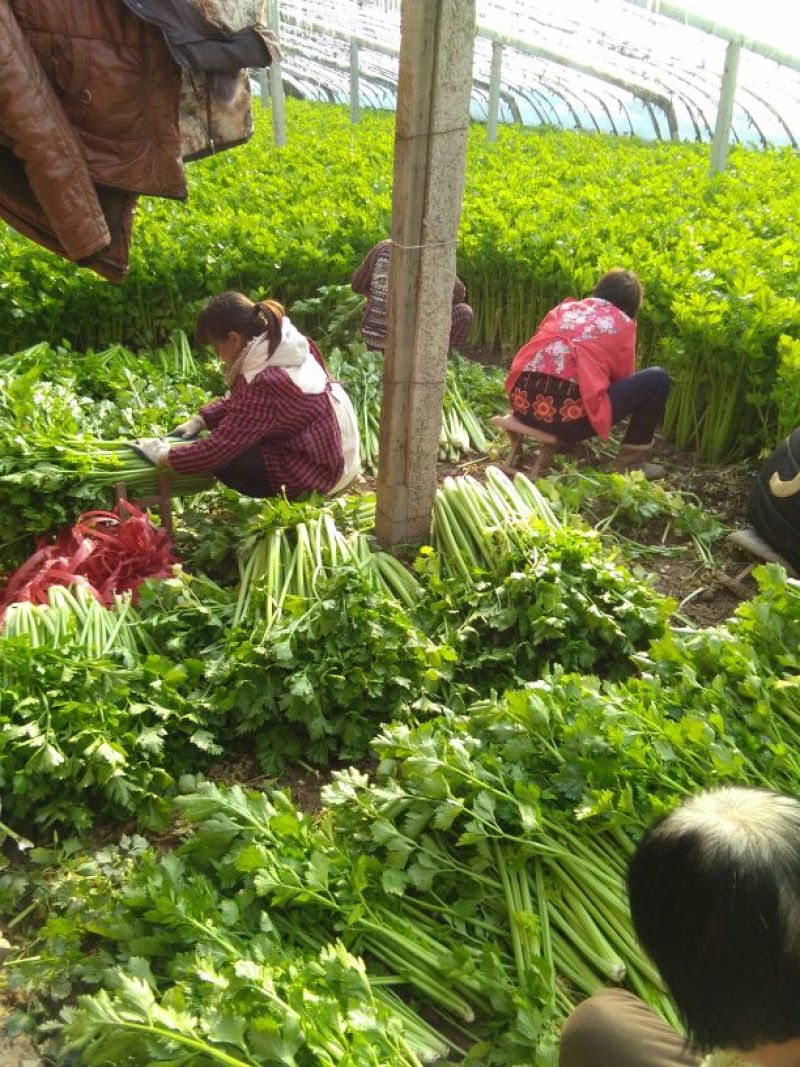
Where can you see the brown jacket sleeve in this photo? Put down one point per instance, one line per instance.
(35, 124)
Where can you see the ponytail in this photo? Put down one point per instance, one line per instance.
(234, 311)
(269, 315)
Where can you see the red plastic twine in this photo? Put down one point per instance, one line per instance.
(105, 550)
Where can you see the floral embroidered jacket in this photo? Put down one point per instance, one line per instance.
(590, 342)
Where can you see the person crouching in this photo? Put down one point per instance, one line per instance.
(577, 377)
(286, 424)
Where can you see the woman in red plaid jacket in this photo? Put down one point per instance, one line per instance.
(286, 425)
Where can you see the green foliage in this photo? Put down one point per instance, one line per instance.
(333, 317)
(264, 229)
(319, 682)
(481, 872)
(288, 547)
(185, 962)
(744, 676)
(72, 616)
(555, 597)
(206, 531)
(787, 388)
(716, 260)
(185, 616)
(621, 503)
(472, 394)
(545, 213)
(82, 737)
(325, 639)
(65, 422)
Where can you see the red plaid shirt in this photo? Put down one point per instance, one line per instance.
(299, 435)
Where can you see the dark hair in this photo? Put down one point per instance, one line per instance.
(621, 288)
(715, 898)
(234, 311)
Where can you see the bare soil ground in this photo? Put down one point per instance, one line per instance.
(303, 781)
(16, 1051)
(723, 491)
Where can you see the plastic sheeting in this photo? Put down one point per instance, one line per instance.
(629, 55)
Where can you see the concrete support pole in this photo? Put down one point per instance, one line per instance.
(354, 101)
(429, 163)
(276, 84)
(722, 127)
(494, 91)
(263, 84)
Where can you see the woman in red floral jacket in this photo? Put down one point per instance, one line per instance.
(576, 376)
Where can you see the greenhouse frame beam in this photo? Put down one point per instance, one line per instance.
(768, 106)
(263, 85)
(494, 91)
(506, 98)
(433, 98)
(343, 68)
(650, 98)
(698, 22)
(647, 95)
(727, 96)
(276, 94)
(341, 35)
(355, 93)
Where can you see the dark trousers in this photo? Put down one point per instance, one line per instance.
(642, 396)
(616, 1029)
(246, 474)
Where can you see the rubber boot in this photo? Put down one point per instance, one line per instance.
(634, 458)
(755, 544)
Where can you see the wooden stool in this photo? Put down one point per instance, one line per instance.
(163, 500)
(517, 431)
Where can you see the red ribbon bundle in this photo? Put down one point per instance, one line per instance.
(108, 551)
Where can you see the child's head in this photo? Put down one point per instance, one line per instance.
(621, 288)
(715, 898)
(230, 320)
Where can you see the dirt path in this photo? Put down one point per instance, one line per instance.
(16, 1051)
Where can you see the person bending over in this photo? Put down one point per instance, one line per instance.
(371, 280)
(286, 425)
(715, 898)
(576, 377)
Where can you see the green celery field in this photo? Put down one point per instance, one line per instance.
(544, 214)
(293, 800)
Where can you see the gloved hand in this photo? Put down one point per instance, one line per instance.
(153, 448)
(190, 428)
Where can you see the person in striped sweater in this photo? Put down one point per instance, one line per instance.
(371, 280)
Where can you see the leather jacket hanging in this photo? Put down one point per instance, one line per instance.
(90, 112)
